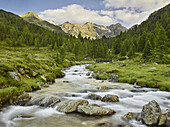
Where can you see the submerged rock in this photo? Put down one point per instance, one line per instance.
(110, 98)
(94, 110)
(93, 96)
(88, 74)
(103, 88)
(151, 113)
(22, 100)
(71, 105)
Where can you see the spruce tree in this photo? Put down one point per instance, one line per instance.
(147, 54)
(123, 50)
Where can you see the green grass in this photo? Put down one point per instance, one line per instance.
(146, 75)
(41, 61)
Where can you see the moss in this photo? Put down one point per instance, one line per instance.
(163, 88)
(146, 75)
(7, 95)
(103, 76)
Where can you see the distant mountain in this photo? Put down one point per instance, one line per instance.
(32, 17)
(91, 30)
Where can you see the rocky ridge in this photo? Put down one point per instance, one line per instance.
(92, 31)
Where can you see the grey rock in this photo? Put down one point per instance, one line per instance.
(21, 71)
(88, 74)
(94, 75)
(43, 77)
(167, 122)
(22, 100)
(94, 110)
(49, 101)
(71, 105)
(150, 113)
(110, 98)
(34, 74)
(15, 76)
(130, 116)
(163, 119)
(112, 78)
(103, 88)
(36, 100)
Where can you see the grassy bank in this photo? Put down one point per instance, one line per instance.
(145, 75)
(26, 69)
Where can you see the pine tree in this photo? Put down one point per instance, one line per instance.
(123, 50)
(37, 45)
(147, 54)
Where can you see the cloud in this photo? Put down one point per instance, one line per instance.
(130, 17)
(143, 5)
(76, 14)
(131, 12)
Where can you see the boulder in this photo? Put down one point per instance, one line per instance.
(150, 113)
(112, 78)
(94, 110)
(22, 100)
(163, 119)
(35, 100)
(71, 105)
(49, 101)
(130, 116)
(93, 96)
(167, 124)
(15, 76)
(94, 75)
(110, 98)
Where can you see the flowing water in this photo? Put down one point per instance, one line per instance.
(76, 85)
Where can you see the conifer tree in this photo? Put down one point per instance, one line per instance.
(123, 50)
(147, 53)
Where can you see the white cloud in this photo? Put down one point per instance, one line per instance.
(132, 12)
(130, 17)
(76, 14)
(143, 5)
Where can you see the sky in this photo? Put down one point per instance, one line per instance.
(101, 12)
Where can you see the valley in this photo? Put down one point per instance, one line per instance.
(84, 74)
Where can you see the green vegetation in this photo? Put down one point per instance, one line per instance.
(28, 66)
(31, 55)
(145, 75)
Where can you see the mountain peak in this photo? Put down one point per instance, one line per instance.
(31, 14)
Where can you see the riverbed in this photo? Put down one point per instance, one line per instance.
(76, 85)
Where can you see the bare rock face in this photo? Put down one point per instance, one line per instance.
(110, 98)
(151, 113)
(92, 31)
(71, 105)
(95, 110)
